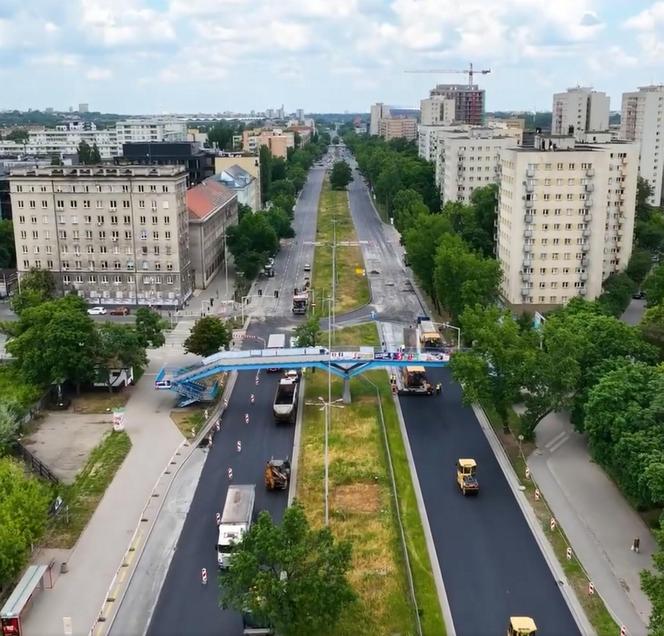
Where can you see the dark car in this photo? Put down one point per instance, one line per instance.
(639, 295)
(119, 311)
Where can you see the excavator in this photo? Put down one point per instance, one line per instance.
(277, 474)
(521, 626)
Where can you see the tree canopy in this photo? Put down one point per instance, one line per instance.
(654, 286)
(308, 332)
(208, 335)
(149, 328)
(7, 245)
(251, 242)
(341, 175)
(289, 576)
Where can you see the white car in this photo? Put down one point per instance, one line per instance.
(97, 311)
(307, 267)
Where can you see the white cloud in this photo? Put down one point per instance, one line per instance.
(97, 73)
(55, 59)
(648, 25)
(647, 19)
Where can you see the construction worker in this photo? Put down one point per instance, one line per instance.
(439, 388)
(636, 545)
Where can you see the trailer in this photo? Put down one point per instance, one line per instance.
(285, 401)
(235, 521)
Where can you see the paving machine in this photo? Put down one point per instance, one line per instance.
(466, 470)
(277, 474)
(521, 626)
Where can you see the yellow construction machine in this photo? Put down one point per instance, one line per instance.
(466, 470)
(521, 626)
(277, 474)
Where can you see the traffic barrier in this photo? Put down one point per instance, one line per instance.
(257, 380)
(210, 440)
(239, 446)
(537, 494)
(568, 554)
(246, 418)
(527, 472)
(217, 426)
(591, 588)
(552, 524)
(203, 576)
(230, 473)
(218, 518)
(623, 630)
(225, 403)
(252, 398)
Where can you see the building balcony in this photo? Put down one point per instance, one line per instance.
(588, 203)
(586, 232)
(585, 247)
(527, 249)
(527, 234)
(525, 291)
(525, 277)
(527, 262)
(590, 172)
(589, 187)
(528, 218)
(587, 218)
(583, 276)
(585, 261)
(530, 172)
(582, 291)
(529, 203)
(529, 186)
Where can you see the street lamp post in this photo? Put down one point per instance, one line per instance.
(458, 330)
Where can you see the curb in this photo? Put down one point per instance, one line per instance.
(104, 624)
(566, 590)
(297, 438)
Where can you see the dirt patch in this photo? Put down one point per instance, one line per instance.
(360, 498)
(100, 401)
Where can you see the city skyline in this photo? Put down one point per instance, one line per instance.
(162, 56)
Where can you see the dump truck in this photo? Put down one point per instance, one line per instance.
(285, 401)
(235, 521)
(521, 626)
(466, 470)
(412, 380)
(300, 301)
(277, 474)
(429, 335)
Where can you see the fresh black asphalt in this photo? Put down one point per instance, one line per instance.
(185, 606)
(491, 563)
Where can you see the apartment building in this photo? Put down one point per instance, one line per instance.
(212, 209)
(468, 157)
(276, 139)
(579, 110)
(398, 127)
(435, 112)
(469, 101)
(241, 182)
(115, 235)
(247, 162)
(565, 219)
(642, 121)
(65, 139)
(378, 112)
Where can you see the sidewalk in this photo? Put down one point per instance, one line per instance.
(596, 518)
(74, 602)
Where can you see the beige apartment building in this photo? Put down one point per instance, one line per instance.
(277, 140)
(248, 162)
(468, 157)
(115, 235)
(642, 120)
(398, 127)
(565, 220)
(579, 110)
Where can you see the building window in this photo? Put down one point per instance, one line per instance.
(167, 220)
(141, 204)
(73, 203)
(155, 220)
(127, 220)
(59, 204)
(153, 204)
(144, 235)
(86, 203)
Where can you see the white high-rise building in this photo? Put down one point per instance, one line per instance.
(579, 110)
(565, 219)
(378, 113)
(468, 157)
(436, 112)
(642, 120)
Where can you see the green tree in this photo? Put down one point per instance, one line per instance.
(283, 186)
(251, 242)
(652, 327)
(121, 347)
(421, 240)
(24, 503)
(243, 210)
(9, 427)
(493, 370)
(308, 333)
(639, 265)
(84, 153)
(485, 205)
(652, 583)
(654, 286)
(285, 202)
(7, 245)
(278, 167)
(618, 290)
(408, 205)
(208, 335)
(19, 135)
(643, 193)
(149, 328)
(297, 175)
(55, 342)
(290, 576)
(95, 155)
(280, 222)
(463, 278)
(341, 175)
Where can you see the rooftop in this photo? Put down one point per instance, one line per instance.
(207, 198)
(94, 172)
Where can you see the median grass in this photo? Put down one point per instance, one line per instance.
(362, 506)
(352, 287)
(593, 606)
(84, 495)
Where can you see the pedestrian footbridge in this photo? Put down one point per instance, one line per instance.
(198, 383)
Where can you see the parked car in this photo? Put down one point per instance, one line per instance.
(307, 267)
(639, 295)
(97, 311)
(119, 311)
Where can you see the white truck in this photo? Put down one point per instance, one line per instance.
(235, 521)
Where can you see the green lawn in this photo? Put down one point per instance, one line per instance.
(84, 495)
(593, 606)
(352, 286)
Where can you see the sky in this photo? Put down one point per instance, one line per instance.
(168, 56)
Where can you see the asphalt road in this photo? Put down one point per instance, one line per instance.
(185, 606)
(489, 559)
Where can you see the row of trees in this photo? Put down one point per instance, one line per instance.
(7, 245)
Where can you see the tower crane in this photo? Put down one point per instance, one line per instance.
(470, 71)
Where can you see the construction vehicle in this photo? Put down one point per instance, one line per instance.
(429, 335)
(466, 470)
(413, 381)
(521, 626)
(285, 401)
(276, 341)
(300, 301)
(235, 521)
(277, 474)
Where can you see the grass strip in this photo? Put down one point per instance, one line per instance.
(593, 606)
(352, 286)
(84, 495)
